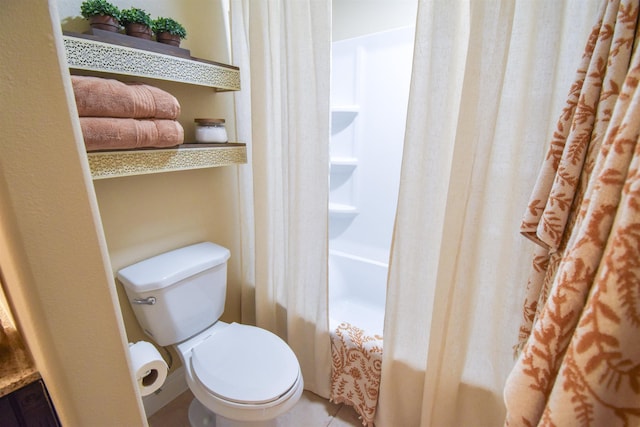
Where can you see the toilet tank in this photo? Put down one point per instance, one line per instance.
(177, 294)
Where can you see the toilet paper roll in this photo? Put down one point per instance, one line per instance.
(149, 367)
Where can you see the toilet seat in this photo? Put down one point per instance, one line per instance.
(245, 365)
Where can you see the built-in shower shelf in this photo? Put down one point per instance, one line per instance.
(353, 108)
(343, 164)
(342, 116)
(342, 211)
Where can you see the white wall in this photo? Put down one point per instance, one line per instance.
(353, 18)
(53, 258)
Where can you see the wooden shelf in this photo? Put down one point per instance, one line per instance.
(88, 52)
(112, 164)
(120, 54)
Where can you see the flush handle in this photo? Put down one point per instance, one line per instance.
(145, 301)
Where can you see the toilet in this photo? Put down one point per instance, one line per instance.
(240, 375)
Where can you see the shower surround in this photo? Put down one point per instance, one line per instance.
(369, 95)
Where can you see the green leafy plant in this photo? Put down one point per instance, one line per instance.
(135, 16)
(91, 8)
(168, 25)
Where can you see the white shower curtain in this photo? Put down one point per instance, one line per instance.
(283, 49)
(489, 80)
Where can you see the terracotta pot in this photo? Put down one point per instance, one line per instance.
(168, 38)
(103, 22)
(138, 30)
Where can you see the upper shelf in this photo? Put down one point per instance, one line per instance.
(87, 52)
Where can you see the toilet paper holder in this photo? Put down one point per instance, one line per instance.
(149, 367)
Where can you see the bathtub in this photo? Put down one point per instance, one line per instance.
(357, 292)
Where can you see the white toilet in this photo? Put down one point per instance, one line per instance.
(240, 375)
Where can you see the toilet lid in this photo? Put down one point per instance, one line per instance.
(245, 364)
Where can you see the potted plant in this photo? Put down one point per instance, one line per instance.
(136, 22)
(169, 31)
(101, 14)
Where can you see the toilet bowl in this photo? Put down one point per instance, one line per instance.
(242, 372)
(239, 374)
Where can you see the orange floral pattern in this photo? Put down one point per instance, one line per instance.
(579, 363)
(356, 367)
(563, 181)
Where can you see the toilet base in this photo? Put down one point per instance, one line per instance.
(200, 416)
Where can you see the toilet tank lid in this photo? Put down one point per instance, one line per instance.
(170, 267)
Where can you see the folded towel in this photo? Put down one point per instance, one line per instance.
(104, 133)
(100, 97)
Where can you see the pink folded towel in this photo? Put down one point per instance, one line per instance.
(100, 97)
(104, 133)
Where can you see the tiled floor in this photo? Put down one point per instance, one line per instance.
(310, 411)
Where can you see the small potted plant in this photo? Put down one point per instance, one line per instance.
(136, 22)
(169, 31)
(101, 14)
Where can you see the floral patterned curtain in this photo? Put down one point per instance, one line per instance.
(579, 349)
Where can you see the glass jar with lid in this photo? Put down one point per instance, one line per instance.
(211, 130)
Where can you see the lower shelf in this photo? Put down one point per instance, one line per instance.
(112, 164)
